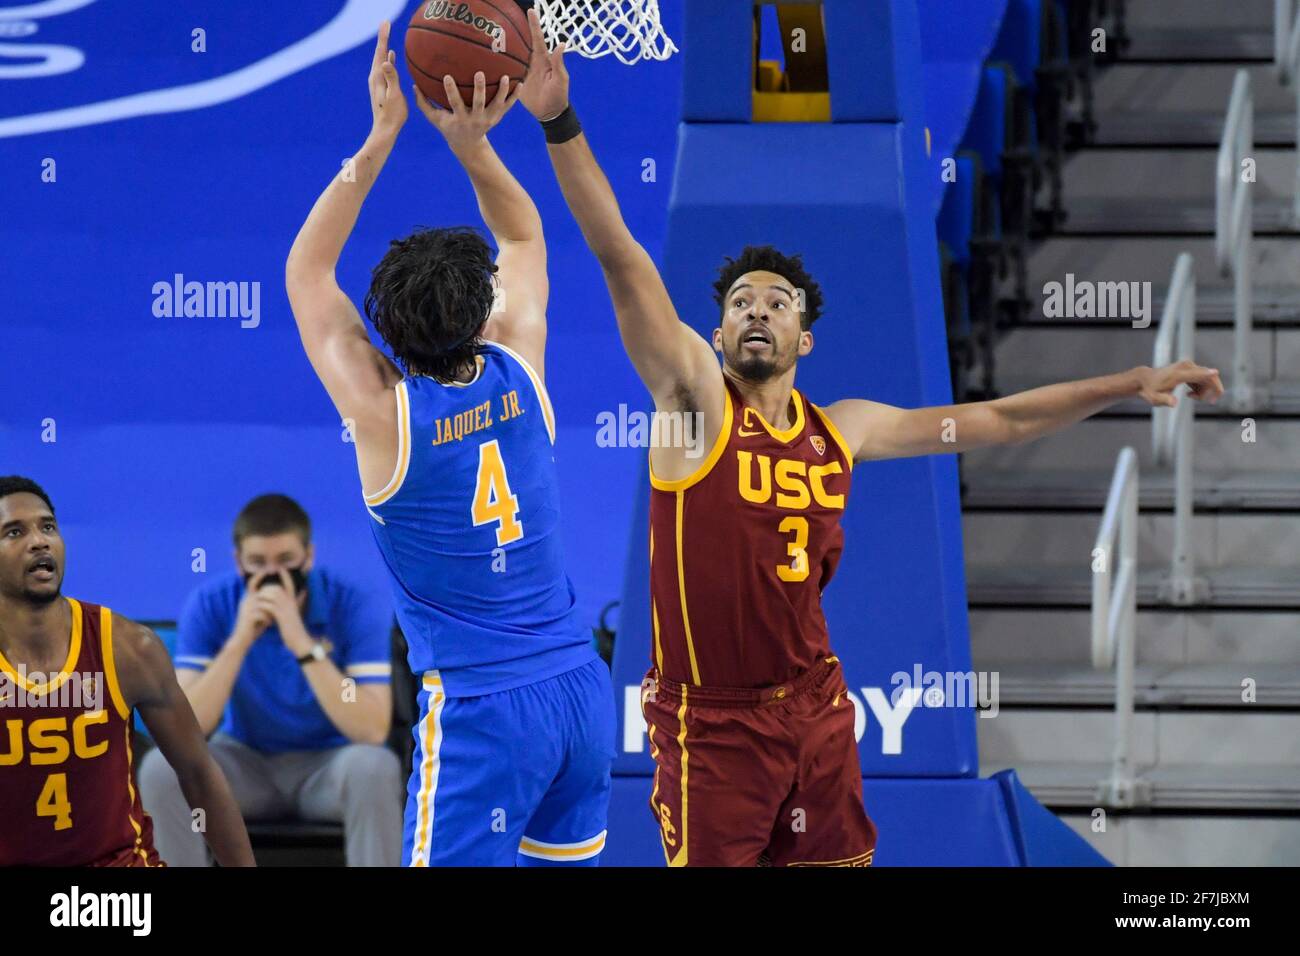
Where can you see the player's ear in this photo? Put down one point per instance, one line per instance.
(310, 559)
(717, 341)
(805, 342)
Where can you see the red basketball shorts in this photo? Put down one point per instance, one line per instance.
(757, 777)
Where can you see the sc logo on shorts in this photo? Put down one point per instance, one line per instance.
(21, 59)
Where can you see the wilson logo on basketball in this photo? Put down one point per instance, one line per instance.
(461, 13)
(818, 443)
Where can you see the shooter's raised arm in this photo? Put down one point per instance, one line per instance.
(352, 370)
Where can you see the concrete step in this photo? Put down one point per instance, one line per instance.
(1214, 16)
(1188, 128)
(1156, 175)
(1276, 262)
(1063, 540)
(1205, 840)
(1180, 44)
(1057, 684)
(1168, 217)
(1056, 586)
(1165, 638)
(1095, 443)
(1018, 736)
(1041, 352)
(1171, 89)
(1163, 104)
(1071, 489)
(1194, 786)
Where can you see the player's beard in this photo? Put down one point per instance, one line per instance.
(37, 599)
(759, 369)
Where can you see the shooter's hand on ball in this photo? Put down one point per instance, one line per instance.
(466, 126)
(546, 88)
(1157, 385)
(387, 104)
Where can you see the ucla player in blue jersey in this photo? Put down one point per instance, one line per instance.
(516, 728)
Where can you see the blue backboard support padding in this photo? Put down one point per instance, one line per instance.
(1043, 839)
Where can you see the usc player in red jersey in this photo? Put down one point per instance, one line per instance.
(745, 702)
(71, 676)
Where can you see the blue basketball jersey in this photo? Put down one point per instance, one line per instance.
(469, 526)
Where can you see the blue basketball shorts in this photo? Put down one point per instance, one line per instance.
(519, 777)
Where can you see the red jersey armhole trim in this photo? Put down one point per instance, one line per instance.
(835, 433)
(699, 474)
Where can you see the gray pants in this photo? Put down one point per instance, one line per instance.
(358, 785)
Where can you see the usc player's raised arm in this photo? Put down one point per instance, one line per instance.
(677, 366)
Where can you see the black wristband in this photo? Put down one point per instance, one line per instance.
(563, 128)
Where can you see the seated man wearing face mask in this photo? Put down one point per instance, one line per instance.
(291, 666)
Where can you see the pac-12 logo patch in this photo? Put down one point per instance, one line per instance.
(818, 443)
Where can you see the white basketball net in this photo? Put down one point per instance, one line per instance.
(629, 29)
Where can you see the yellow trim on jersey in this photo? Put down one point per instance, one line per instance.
(69, 666)
(110, 665)
(681, 858)
(130, 790)
(430, 764)
(790, 433)
(681, 589)
(478, 371)
(862, 859)
(582, 850)
(654, 793)
(403, 449)
(654, 610)
(706, 466)
(835, 433)
(548, 413)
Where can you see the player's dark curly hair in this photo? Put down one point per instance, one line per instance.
(771, 259)
(430, 297)
(17, 484)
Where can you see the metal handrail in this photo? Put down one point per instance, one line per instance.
(1114, 620)
(1173, 434)
(1234, 235)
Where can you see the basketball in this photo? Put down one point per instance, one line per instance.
(463, 37)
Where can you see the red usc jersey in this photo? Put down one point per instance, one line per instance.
(67, 784)
(741, 550)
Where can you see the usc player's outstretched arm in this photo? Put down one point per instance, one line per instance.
(876, 431)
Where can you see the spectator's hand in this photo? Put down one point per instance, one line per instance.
(252, 619)
(280, 604)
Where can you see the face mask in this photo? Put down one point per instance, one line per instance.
(296, 577)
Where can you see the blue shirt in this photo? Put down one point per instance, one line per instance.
(469, 529)
(272, 707)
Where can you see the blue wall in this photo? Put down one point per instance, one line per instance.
(165, 426)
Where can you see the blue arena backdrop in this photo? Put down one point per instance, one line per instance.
(164, 426)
